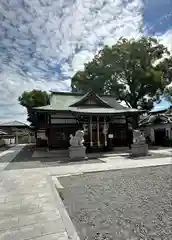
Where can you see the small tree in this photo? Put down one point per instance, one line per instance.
(34, 98)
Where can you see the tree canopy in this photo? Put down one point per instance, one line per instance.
(168, 93)
(127, 70)
(166, 67)
(34, 98)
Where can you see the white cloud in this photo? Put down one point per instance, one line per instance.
(80, 58)
(42, 37)
(166, 39)
(14, 86)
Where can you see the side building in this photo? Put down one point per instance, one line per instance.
(157, 126)
(16, 132)
(105, 122)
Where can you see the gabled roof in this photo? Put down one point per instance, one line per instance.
(66, 101)
(63, 100)
(13, 124)
(151, 119)
(169, 111)
(89, 95)
(2, 133)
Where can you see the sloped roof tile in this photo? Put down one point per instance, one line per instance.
(63, 101)
(13, 123)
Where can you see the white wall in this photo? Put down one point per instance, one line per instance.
(53, 99)
(65, 118)
(149, 130)
(9, 141)
(64, 115)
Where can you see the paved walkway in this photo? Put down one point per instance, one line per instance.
(7, 156)
(28, 209)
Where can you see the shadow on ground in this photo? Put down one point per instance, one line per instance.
(24, 160)
(4, 148)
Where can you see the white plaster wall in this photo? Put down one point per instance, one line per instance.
(53, 99)
(162, 126)
(152, 134)
(63, 116)
(149, 131)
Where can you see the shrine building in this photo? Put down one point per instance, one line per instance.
(105, 122)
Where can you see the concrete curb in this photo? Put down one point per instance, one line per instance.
(68, 224)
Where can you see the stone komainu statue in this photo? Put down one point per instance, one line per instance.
(78, 139)
(138, 137)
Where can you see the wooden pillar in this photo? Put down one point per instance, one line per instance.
(98, 133)
(48, 131)
(29, 138)
(91, 133)
(105, 131)
(16, 138)
(126, 129)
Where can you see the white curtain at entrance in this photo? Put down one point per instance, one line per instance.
(98, 132)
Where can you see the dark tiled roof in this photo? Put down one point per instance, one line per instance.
(169, 111)
(63, 101)
(3, 133)
(13, 124)
(150, 119)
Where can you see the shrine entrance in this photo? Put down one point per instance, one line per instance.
(59, 136)
(96, 131)
(98, 138)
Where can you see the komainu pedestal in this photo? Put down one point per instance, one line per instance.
(139, 146)
(77, 151)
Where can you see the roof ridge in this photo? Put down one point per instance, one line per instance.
(67, 93)
(81, 94)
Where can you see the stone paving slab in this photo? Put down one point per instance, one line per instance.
(25, 160)
(8, 155)
(111, 163)
(52, 153)
(28, 210)
(56, 236)
(34, 230)
(27, 198)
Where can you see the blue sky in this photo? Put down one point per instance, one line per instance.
(44, 42)
(158, 16)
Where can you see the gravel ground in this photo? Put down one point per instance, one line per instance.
(24, 160)
(130, 204)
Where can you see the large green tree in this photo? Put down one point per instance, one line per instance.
(166, 67)
(127, 70)
(34, 98)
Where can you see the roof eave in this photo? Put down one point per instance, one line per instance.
(51, 110)
(117, 112)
